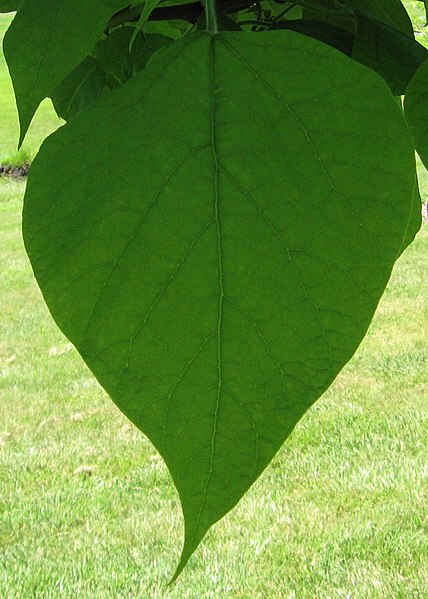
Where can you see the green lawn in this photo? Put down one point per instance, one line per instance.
(87, 509)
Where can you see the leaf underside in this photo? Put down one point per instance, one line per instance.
(214, 237)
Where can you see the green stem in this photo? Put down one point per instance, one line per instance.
(211, 16)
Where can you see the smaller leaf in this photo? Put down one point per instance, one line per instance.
(338, 19)
(79, 89)
(416, 110)
(46, 41)
(277, 8)
(390, 12)
(170, 29)
(120, 60)
(392, 54)
(149, 7)
(324, 32)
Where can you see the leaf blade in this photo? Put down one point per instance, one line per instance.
(216, 345)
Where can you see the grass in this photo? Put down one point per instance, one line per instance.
(87, 508)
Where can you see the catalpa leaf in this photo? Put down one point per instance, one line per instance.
(214, 292)
(39, 57)
(416, 110)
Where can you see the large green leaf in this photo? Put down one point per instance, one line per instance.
(39, 57)
(416, 110)
(216, 291)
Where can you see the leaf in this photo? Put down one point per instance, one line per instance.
(391, 12)
(46, 41)
(416, 110)
(149, 6)
(216, 293)
(114, 64)
(79, 89)
(415, 218)
(339, 19)
(10, 5)
(121, 60)
(324, 32)
(276, 8)
(392, 54)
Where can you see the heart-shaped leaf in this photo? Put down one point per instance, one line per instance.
(214, 237)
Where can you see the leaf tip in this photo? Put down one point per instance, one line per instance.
(24, 124)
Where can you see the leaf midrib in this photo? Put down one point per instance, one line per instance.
(220, 279)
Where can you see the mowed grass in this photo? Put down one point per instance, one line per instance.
(87, 508)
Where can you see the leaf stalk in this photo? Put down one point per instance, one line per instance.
(211, 16)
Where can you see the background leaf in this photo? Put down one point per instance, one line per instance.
(218, 291)
(416, 111)
(39, 57)
(391, 12)
(392, 54)
(79, 89)
(149, 6)
(121, 60)
(324, 32)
